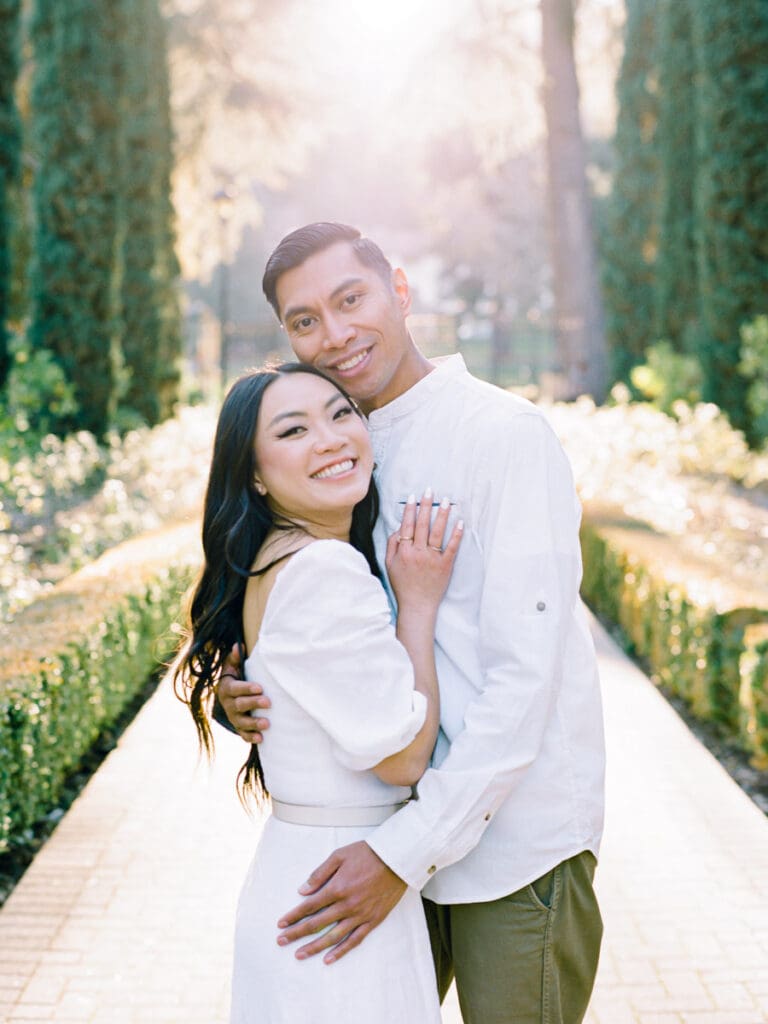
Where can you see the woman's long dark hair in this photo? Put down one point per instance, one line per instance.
(236, 521)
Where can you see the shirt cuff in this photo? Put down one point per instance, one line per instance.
(415, 850)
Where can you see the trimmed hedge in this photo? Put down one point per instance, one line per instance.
(753, 694)
(703, 637)
(72, 661)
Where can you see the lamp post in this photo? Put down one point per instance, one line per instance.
(223, 200)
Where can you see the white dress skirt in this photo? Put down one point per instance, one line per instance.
(341, 687)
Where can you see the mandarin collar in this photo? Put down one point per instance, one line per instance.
(445, 367)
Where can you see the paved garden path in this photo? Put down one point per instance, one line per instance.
(125, 916)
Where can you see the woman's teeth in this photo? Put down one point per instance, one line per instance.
(340, 467)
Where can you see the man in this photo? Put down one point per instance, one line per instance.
(504, 835)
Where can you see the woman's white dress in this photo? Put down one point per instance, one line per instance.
(341, 687)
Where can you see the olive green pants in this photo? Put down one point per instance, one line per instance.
(528, 958)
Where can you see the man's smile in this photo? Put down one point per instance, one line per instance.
(350, 362)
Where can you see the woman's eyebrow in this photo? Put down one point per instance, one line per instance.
(298, 412)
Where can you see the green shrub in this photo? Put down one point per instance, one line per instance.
(36, 393)
(73, 660)
(688, 624)
(667, 377)
(754, 366)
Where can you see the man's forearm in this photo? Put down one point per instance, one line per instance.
(501, 738)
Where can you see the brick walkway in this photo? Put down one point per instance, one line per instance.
(125, 917)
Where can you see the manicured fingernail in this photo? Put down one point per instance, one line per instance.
(282, 924)
(301, 956)
(282, 941)
(428, 492)
(329, 959)
(460, 524)
(445, 503)
(411, 499)
(305, 890)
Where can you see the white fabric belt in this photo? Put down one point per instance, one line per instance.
(334, 817)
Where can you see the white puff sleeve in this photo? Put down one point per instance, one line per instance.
(328, 639)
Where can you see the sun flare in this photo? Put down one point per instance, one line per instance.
(369, 48)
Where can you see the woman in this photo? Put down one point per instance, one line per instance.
(290, 571)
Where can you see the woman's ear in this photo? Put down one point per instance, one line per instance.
(262, 490)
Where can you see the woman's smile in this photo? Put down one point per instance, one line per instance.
(335, 469)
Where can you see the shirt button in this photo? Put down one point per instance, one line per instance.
(431, 870)
(487, 817)
(540, 606)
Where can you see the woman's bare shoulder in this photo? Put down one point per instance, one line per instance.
(279, 546)
(274, 555)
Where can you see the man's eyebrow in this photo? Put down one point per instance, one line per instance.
(348, 282)
(298, 412)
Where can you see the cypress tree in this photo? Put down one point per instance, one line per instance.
(629, 247)
(732, 195)
(676, 284)
(151, 343)
(10, 142)
(77, 146)
(168, 265)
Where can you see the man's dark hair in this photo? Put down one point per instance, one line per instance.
(299, 245)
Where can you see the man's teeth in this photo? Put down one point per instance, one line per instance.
(340, 467)
(351, 363)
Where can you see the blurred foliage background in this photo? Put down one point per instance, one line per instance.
(577, 188)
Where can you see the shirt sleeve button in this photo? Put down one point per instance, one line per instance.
(431, 870)
(487, 817)
(540, 606)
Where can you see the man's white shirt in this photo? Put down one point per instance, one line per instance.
(516, 785)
